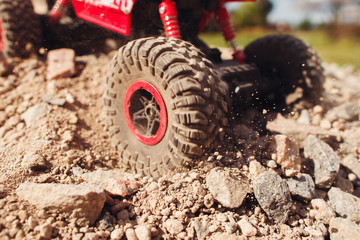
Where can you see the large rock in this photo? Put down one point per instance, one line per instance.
(349, 111)
(34, 162)
(285, 152)
(82, 202)
(247, 228)
(60, 63)
(201, 229)
(35, 112)
(227, 189)
(100, 176)
(345, 204)
(143, 232)
(273, 195)
(302, 187)
(321, 211)
(116, 187)
(326, 161)
(352, 163)
(343, 229)
(52, 100)
(299, 132)
(173, 226)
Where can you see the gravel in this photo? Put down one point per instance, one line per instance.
(67, 146)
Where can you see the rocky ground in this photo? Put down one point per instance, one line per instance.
(296, 177)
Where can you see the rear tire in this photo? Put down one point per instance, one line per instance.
(287, 63)
(20, 31)
(164, 105)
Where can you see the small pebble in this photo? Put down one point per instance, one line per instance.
(318, 109)
(352, 177)
(45, 230)
(130, 234)
(143, 233)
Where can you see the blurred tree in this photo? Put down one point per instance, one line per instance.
(344, 16)
(252, 14)
(336, 7)
(305, 25)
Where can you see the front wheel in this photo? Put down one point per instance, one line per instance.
(286, 63)
(164, 105)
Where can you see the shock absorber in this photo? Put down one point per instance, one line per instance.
(169, 14)
(206, 16)
(223, 18)
(58, 10)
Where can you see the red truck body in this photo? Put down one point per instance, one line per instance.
(113, 14)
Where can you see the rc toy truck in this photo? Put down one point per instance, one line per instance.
(167, 95)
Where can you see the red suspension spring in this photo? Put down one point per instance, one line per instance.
(169, 14)
(58, 10)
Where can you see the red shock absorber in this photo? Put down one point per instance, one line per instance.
(206, 16)
(223, 18)
(169, 14)
(57, 10)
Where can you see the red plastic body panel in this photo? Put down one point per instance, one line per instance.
(112, 14)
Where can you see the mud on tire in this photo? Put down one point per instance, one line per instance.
(20, 30)
(288, 63)
(164, 105)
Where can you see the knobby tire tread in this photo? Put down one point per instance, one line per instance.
(20, 26)
(300, 62)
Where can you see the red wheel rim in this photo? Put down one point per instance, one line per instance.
(1, 36)
(145, 112)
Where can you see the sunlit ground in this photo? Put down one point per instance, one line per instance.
(343, 51)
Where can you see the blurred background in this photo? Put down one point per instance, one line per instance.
(332, 27)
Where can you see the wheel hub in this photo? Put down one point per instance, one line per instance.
(145, 112)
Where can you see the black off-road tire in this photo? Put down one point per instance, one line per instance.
(20, 28)
(287, 63)
(192, 94)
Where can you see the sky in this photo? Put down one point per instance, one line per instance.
(289, 12)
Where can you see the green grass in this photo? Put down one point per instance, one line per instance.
(342, 51)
